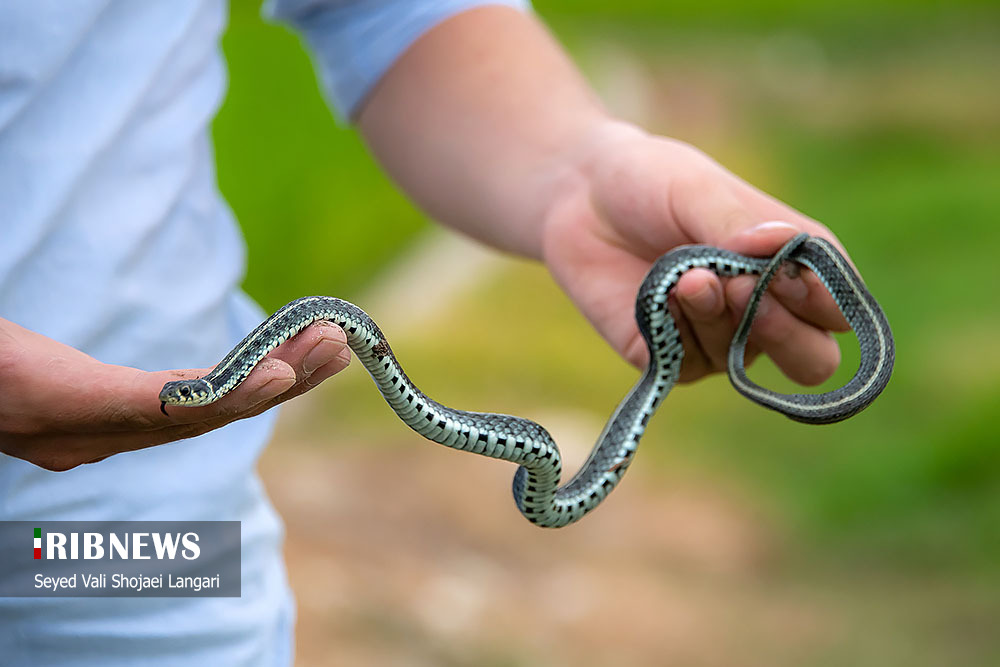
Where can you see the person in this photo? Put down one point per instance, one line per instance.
(119, 259)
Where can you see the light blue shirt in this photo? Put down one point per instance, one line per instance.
(115, 240)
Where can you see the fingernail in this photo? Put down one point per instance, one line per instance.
(271, 389)
(323, 352)
(342, 361)
(332, 330)
(770, 225)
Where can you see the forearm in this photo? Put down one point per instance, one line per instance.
(482, 122)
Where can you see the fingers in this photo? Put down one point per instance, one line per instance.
(716, 207)
(700, 202)
(703, 304)
(69, 409)
(805, 296)
(130, 419)
(709, 210)
(794, 316)
(808, 299)
(300, 363)
(339, 363)
(707, 326)
(269, 378)
(805, 353)
(317, 352)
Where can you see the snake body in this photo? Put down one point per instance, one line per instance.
(537, 492)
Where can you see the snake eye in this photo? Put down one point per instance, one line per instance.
(185, 391)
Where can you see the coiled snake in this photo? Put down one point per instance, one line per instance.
(536, 483)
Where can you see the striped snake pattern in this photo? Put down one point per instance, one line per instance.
(537, 490)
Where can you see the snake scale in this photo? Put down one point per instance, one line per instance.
(537, 491)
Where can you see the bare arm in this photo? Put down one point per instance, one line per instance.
(479, 122)
(487, 124)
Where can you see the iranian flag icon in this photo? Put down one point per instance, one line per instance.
(38, 543)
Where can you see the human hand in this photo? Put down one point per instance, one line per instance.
(60, 408)
(636, 197)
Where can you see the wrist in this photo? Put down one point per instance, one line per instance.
(576, 175)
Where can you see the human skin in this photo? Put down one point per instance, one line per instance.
(513, 148)
(60, 408)
(489, 127)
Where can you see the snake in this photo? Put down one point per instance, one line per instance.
(537, 491)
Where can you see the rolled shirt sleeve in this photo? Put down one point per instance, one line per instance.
(355, 42)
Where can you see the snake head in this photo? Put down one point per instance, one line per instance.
(187, 392)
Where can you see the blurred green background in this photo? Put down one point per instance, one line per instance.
(881, 119)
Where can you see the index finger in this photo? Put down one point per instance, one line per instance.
(139, 405)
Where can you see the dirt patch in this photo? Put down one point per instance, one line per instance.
(415, 555)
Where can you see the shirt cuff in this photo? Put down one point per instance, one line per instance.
(355, 42)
